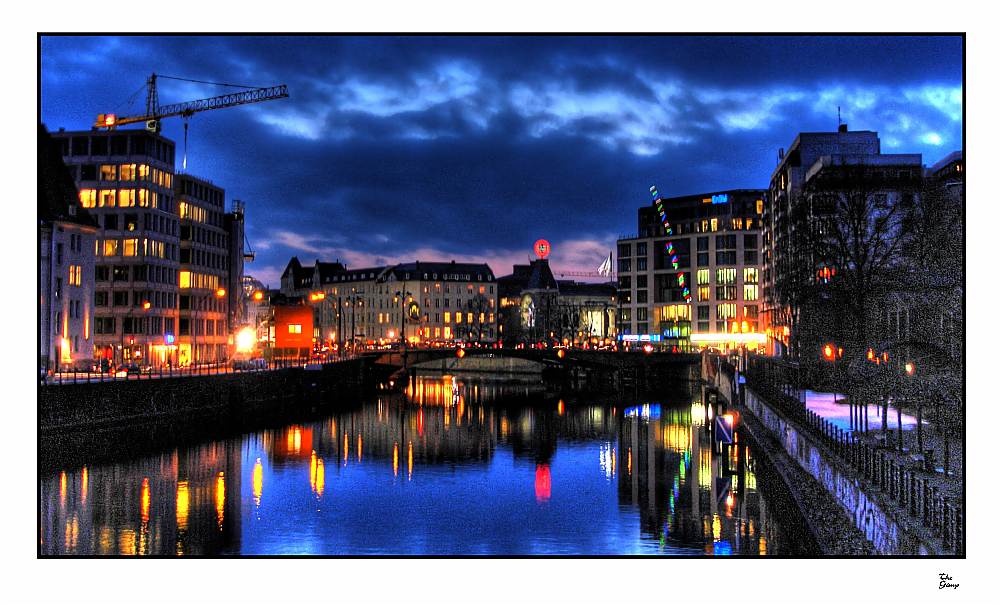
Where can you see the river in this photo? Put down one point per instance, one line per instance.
(449, 465)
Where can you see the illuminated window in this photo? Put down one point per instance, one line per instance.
(106, 198)
(74, 275)
(725, 276)
(88, 198)
(294, 328)
(704, 293)
(110, 247)
(715, 224)
(447, 317)
(143, 172)
(447, 331)
(725, 310)
(750, 292)
(126, 198)
(130, 247)
(108, 172)
(185, 279)
(703, 277)
(750, 275)
(128, 172)
(760, 207)
(675, 312)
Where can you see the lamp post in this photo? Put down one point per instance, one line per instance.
(402, 294)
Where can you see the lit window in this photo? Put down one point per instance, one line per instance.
(750, 292)
(715, 224)
(110, 247)
(447, 331)
(294, 328)
(760, 206)
(107, 198)
(130, 247)
(185, 279)
(108, 172)
(750, 275)
(704, 293)
(128, 172)
(725, 310)
(703, 277)
(74, 275)
(143, 172)
(88, 198)
(447, 317)
(126, 198)
(725, 276)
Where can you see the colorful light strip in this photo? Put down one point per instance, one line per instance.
(670, 245)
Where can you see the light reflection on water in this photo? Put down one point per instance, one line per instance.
(451, 466)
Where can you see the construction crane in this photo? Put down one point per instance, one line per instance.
(156, 112)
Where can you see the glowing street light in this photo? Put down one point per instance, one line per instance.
(245, 340)
(220, 292)
(910, 368)
(258, 295)
(829, 353)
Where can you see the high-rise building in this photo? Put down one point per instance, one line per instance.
(66, 234)
(168, 258)
(715, 238)
(203, 282)
(819, 167)
(125, 180)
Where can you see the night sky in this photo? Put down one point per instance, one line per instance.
(399, 149)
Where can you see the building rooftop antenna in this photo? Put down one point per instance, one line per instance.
(839, 121)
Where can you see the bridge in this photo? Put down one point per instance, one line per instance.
(561, 359)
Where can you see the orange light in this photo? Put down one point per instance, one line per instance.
(910, 368)
(460, 353)
(146, 305)
(561, 354)
(220, 292)
(110, 119)
(258, 295)
(647, 349)
(315, 296)
(828, 352)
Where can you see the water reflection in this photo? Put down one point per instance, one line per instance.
(490, 468)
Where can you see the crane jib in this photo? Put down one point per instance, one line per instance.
(188, 108)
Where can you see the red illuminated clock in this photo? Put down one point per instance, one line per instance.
(542, 248)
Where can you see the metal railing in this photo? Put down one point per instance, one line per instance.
(909, 488)
(158, 373)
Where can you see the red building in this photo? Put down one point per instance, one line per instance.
(291, 329)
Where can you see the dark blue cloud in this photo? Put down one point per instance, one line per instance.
(461, 147)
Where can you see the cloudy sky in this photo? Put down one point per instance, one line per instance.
(399, 149)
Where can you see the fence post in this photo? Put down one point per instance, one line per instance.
(959, 545)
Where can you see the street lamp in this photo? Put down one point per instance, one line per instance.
(402, 294)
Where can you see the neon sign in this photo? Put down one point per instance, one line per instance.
(722, 198)
(670, 245)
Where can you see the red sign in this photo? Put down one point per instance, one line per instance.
(542, 248)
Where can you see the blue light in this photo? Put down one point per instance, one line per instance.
(169, 338)
(722, 198)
